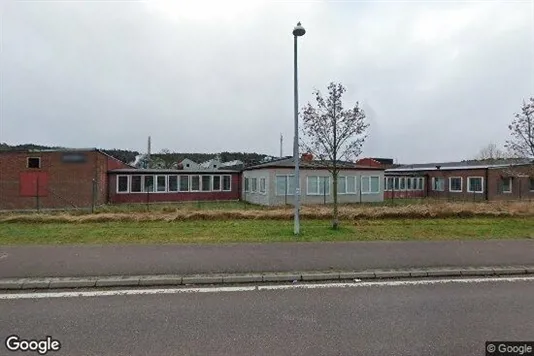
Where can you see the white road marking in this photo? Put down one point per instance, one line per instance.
(3, 255)
(127, 292)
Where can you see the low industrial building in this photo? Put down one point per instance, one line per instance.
(466, 180)
(50, 179)
(273, 183)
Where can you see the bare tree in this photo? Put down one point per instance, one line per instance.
(492, 152)
(332, 133)
(522, 131)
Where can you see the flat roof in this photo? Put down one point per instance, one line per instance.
(170, 171)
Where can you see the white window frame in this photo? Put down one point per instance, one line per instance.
(370, 191)
(434, 184)
(213, 183)
(481, 184)
(191, 183)
(422, 180)
(263, 185)
(254, 185)
(28, 162)
(210, 184)
(127, 184)
(345, 179)
(246, 185)
(409, 183)
(180, 183)
(461, 185)
(355, 180)
(288, 177)
(396, 183)
(229, 176)
(510, 183)
(156, 190)
(140, 185)
(317, 181)
(402, 183)
(169, 183)
(153, 183)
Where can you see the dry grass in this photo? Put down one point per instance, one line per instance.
(346, 212)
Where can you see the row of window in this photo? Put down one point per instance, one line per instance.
(315, 185)
(404, 183)
(474, 184)
(173, 183)
(251, 185)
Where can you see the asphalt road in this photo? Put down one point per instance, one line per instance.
(439, 319)
(82, 260)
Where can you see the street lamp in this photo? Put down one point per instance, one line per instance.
(297, 32)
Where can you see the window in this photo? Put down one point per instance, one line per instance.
(409, 183)
(318, 185)
(455, 184)
(148, 184)
(184, 183)
(351, 185)
(34, 162)
(262, 186)
(285, 185)
(438, 184)
(402, 183)
(388, 183)
(396, 183)
(342, 185)
(161, 183)
(122, 186)
(216, 183)
(173, 183)
(195, 183)
(254, 185)
(370, 184)
(247, 185)
(187, 165)
(475, 184)
(531, 184)
(312, 186)
(420, 184)
(206, 183)
(214, 166)
(135, 184)
(506, 184)
(227, 183)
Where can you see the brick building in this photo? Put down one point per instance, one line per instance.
(160, 185)
(48, 179)
(468, 180)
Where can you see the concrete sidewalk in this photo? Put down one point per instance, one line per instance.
(185, 260)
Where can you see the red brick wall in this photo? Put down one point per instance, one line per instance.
(492, 187)
(69, 184)
(154, 197)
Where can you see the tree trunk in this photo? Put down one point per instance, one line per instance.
(335, 221)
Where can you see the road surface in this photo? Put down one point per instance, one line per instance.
(428, 319)
(80, 260)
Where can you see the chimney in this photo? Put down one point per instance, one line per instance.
(307, 157)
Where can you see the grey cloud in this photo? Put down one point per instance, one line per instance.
(110, 74)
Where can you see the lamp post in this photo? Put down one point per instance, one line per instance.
(297, 32)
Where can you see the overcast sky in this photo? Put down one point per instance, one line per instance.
(438, 80)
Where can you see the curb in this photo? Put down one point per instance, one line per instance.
(211, 279)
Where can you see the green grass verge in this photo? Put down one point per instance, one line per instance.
(263, 231)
